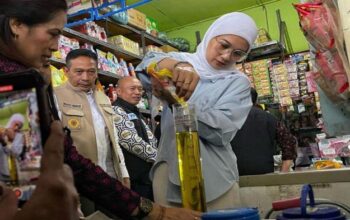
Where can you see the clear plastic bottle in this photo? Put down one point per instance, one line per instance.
(190, 167)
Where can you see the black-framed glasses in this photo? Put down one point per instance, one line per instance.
(224, 47)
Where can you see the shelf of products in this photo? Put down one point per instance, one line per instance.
(130, 57)
(135, 34)
(266, 50)
(105, 77)
(115, 45)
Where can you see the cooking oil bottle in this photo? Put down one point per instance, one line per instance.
(190, 169)
(12, 165)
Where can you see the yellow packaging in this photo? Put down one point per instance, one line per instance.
(167, 48)
(58, 76)
(326, 164)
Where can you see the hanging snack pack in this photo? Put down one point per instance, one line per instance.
(319, 22)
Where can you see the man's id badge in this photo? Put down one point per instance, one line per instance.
(132, 116)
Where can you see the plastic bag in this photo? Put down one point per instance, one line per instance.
(163, 77)
(319, 21)
(121, 17)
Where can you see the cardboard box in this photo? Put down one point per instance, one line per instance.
(137, 18)
(125, 43)
(168, 48)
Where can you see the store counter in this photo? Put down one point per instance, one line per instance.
(261, 190)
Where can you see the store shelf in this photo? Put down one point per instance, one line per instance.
(108, 77)
(153, 40)
(113, 28)
(267, 50)
(119, 52)
(105, 77)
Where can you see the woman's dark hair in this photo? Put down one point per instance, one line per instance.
(254, 95)
(29, 12)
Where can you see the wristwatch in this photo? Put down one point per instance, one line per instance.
(145, 207)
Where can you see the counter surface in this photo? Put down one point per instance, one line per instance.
(297, 177)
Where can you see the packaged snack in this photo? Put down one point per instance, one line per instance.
(58, 76)
(327, 164)
(78, 5)
(88, 46)
(294, 84)
(283, 85)
(292, 76)
(332, 69)
(164, 76)
(102, 60)
(286, 101)
(294, 92)
(311, 83)
(284, 93)
(112, 66)
(281, 78)
(65, 45)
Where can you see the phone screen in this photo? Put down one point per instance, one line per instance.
(20, 136)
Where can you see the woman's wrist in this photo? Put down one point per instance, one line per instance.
(167, 63)
(157, 213)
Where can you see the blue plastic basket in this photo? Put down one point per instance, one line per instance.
(313, 211)
(232, 214)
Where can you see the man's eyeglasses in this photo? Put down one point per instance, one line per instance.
(235, 54)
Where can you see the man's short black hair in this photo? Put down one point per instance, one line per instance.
(254, 95)
(80, 53)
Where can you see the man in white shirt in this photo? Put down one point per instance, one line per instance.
(88, 113)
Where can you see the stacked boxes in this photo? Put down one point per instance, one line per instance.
(281, 84)
(125, 44)
(261, 77)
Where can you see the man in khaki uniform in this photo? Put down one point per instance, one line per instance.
(88, 113)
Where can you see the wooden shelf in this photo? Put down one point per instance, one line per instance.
(119, 52)
(152, 40)
(105, 77)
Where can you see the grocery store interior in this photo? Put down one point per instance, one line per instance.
(231, 109)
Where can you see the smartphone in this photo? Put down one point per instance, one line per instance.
(24, 127)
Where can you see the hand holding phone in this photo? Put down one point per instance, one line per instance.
(24, 123)
(55, 192)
